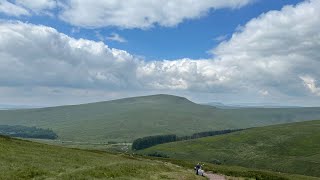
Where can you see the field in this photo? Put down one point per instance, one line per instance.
(291, 148)
(239, 173)
(21, 159)
(128, 119)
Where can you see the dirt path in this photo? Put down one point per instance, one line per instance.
(215, 176)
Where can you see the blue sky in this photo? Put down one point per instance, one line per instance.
(55, 52)
(190, 39)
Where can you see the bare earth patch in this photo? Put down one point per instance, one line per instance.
(215, 176)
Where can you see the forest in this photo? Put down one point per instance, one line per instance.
(149, 141)
(27, 132)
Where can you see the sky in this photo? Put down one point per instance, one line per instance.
(56, 52)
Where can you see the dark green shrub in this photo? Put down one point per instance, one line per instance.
(27, 132)
(149, 141)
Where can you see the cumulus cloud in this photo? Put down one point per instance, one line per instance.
(186, 74)
(11, 9)
(270, 56)
(116, 37)
(112, 37)
(311, 84)
(276, 48)
(119, 13)
(27, 7)
(140, 13)
(48, 58)
(38, 6)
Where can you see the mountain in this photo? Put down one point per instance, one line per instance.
(29, 160)
(249, 105)
(290, 148)
(127, 119)
(10, 107)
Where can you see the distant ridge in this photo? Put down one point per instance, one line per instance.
(248, 105)
(127, 119)
(13, 107)
(157, 98)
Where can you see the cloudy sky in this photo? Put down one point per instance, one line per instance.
(55, 52)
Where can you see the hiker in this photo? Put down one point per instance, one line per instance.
(198, 166)
(201, 171)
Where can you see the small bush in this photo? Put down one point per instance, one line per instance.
(112, 142)
(216, 161)
(157, 154)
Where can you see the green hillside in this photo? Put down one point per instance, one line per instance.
(28, 160)
(131, 118)
(292, 148)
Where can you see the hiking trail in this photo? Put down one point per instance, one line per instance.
(212, 176)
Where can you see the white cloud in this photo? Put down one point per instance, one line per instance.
(221, 38)
(186, 74)
(140, 13)
(49, 58)
(269, 56)
(116, 37)
(311, 84)
(27, 7)
(11, 9)
(75, 30)
(119, 13)
(99, 36)
(38, 6)
(264, 92)
(274, 49)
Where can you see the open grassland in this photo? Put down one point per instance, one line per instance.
(237, 172)
(292, 148)
(21, 159)
(128, 119)
(29, 160)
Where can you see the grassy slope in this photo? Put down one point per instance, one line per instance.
(292, 148)
(236, 171)
(128, 119)
(28, 160)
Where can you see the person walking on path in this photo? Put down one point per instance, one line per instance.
(198, 166)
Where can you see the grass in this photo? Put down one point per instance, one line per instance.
(128, 119)
(237, 172)
(109, 147)
(291, 148)
(22, 159)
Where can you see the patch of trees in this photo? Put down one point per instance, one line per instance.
(27, 132)
(157, 154)
(207, 134)
(146, 142)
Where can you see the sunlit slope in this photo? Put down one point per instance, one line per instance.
(28, 160)
(131, 118)
(292, 148)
